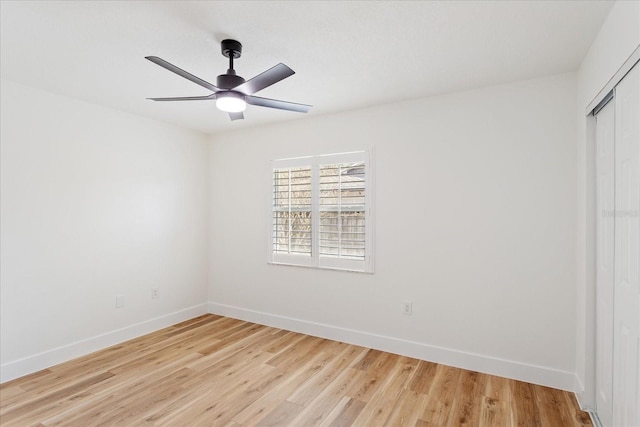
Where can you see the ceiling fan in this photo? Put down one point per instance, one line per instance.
(233, 93)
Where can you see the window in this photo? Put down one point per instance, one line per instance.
(321, 212)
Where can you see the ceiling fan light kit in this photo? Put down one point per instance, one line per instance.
(231, 102)
(233, 93)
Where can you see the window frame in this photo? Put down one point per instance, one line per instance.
(315, 260)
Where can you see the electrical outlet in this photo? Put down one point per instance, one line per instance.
(407, 308)
(155, 293)
(119, 301)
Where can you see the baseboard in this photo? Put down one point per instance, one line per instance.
(583, 402)
(475, 362)
(47, 359)
(595, 420)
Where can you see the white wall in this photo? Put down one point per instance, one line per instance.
(475, 196)
(95, 203)
(617, 39)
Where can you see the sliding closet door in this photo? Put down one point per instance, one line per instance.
(605, 130)
(626, 377)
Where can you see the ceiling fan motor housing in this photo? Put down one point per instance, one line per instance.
(228, 81)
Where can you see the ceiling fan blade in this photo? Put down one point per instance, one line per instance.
(266, 79)
(187, 98)
(274, 103)
(179, 71)
(236, 116)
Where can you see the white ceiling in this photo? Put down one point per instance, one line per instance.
(346, 54)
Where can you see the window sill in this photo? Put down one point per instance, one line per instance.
(331, 268)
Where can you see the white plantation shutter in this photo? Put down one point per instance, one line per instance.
(342, 210)
(292, 211)
(321, 213)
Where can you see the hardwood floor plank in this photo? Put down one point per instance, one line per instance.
(112, 400)
(282, 341)
(525, 410)
(9, 392)
(31, 410)
(174, 407)
(298, 353)
(113, 358)
(196, 322)
(218, 371)
(371, 356)
(375, 374)
(382, 402)
(410, 405)
(247, 393)
(281, 415)
(320, 408)
(553, 406)
(422, 380)
(495, 407)
(344, 413)
(325, 376)
(441, 396)
(494, 413)
(497, 388)
(27, 381)
(288, 383)
(468, 400)
(11, 395)
(216, 400)
(242, 331)
(580, 418)
(225, 357)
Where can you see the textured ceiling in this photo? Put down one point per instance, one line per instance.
(346, 54)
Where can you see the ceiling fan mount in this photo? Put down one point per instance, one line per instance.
(233, 93)
(231, 49)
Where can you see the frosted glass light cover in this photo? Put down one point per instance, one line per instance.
(230, 102)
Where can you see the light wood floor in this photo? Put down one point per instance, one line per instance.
(214, 370)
